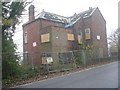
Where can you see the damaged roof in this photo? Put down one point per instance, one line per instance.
(68, 21)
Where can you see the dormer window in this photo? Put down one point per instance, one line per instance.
(86, 14)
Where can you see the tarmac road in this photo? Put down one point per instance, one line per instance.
(105, 76)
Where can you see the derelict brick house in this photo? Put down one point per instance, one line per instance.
(50, 32)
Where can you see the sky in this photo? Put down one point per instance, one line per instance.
(108, 8)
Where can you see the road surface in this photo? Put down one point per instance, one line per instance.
(105, 76)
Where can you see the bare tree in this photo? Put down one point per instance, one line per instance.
(114, 41)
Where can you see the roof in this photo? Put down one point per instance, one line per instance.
(68, 21)
(52, 16)
(76, 17)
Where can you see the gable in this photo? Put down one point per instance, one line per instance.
(99, 12)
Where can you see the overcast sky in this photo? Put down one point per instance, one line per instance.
(108, 8)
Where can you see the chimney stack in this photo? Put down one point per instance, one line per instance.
(90, 8)
(31, 13)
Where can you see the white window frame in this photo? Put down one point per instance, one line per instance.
(87, 30)
(25, 37)
(87, 33)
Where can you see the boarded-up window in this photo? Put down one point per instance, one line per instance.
(44, 60)
(87, 33)
(70, 37)
(45, 37)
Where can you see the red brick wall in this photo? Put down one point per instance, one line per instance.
(33, 36)
(61, 43)
(97, 24)
(46, 23)
(33, 33)
(99, 28)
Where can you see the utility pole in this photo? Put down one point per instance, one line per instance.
(118, 30)
(119, 42)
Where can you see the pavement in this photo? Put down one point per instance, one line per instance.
(105, 76)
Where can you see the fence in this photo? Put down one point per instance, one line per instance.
(56, 62)
(73, 59)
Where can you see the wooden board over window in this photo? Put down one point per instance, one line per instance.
(45, 37)
(44, 60)
(70, 37)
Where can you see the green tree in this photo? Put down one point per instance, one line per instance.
(11, 13)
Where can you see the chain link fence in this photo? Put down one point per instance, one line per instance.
(74, 59)
(56, 62)
(60, 61)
